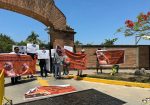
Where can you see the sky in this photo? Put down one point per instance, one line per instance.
(93, 20)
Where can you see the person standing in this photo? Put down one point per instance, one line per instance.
(66, 63)
(58, 62)
(79, 72)
(15, 79)
(97, 59)
(32, 51)
(42, 64)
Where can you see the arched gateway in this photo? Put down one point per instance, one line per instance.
(46, 12)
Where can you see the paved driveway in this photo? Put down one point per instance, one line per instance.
(129, 95)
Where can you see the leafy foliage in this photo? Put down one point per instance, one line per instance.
(22, 43)
(33, 38)
(6, 43)
(140, 27)
(109, 42)
(89, 43)
(77, 43)
(46, 45)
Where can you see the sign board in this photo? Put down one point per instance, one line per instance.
(69, 48)
(32, 48)
(43, 54)
(22, 49)
(52, 52)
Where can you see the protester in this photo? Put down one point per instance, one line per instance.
(101, 59)
(53, 64)
(15, 79)
(58, 61)
(79, 72)
(32, 51)
(97, 63)
(66, 64)
(42, 63)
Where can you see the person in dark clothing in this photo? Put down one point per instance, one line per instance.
(42, 64)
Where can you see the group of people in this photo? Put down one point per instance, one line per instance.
(15, 79)
(60, 62)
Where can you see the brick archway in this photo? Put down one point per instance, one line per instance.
(46, 12)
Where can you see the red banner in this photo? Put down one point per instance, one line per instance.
(110, 57)
(16, 65)
(77, 61)
(48, 90)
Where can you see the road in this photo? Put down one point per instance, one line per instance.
(129, 95)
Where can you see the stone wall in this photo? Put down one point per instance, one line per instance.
(62, 38)
(144, 57)
(135, 56)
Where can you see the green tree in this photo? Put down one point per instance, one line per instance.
(6, 43)
(140, 27)
(89, 44)
(22, 43)
(109, 42)
(46, 45)
(33, 38)
(76, 43)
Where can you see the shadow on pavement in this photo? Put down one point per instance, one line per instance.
(85, 97)
(21, 82)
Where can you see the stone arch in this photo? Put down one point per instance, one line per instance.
(44, 11)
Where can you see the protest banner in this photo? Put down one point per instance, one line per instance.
(77, 61)
(32, 48)
(43, 54)
(22, 49)
(48, 90)
(15, 65)
(53, 52)
(110, 57)
(69, 48)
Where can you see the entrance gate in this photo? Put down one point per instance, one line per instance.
(47, 13)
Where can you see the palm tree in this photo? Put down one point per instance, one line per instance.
(33, 38)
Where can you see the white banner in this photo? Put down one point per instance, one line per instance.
(32, 48)
(69, 48)
(43, 54)
(22, 49)
(52, 52)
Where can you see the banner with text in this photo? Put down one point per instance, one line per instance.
(32, 48)
(110, 57)
(48, 90)
(43, 54)
(16, 65)
(77, 61)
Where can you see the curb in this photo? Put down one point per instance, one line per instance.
(115, 82)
